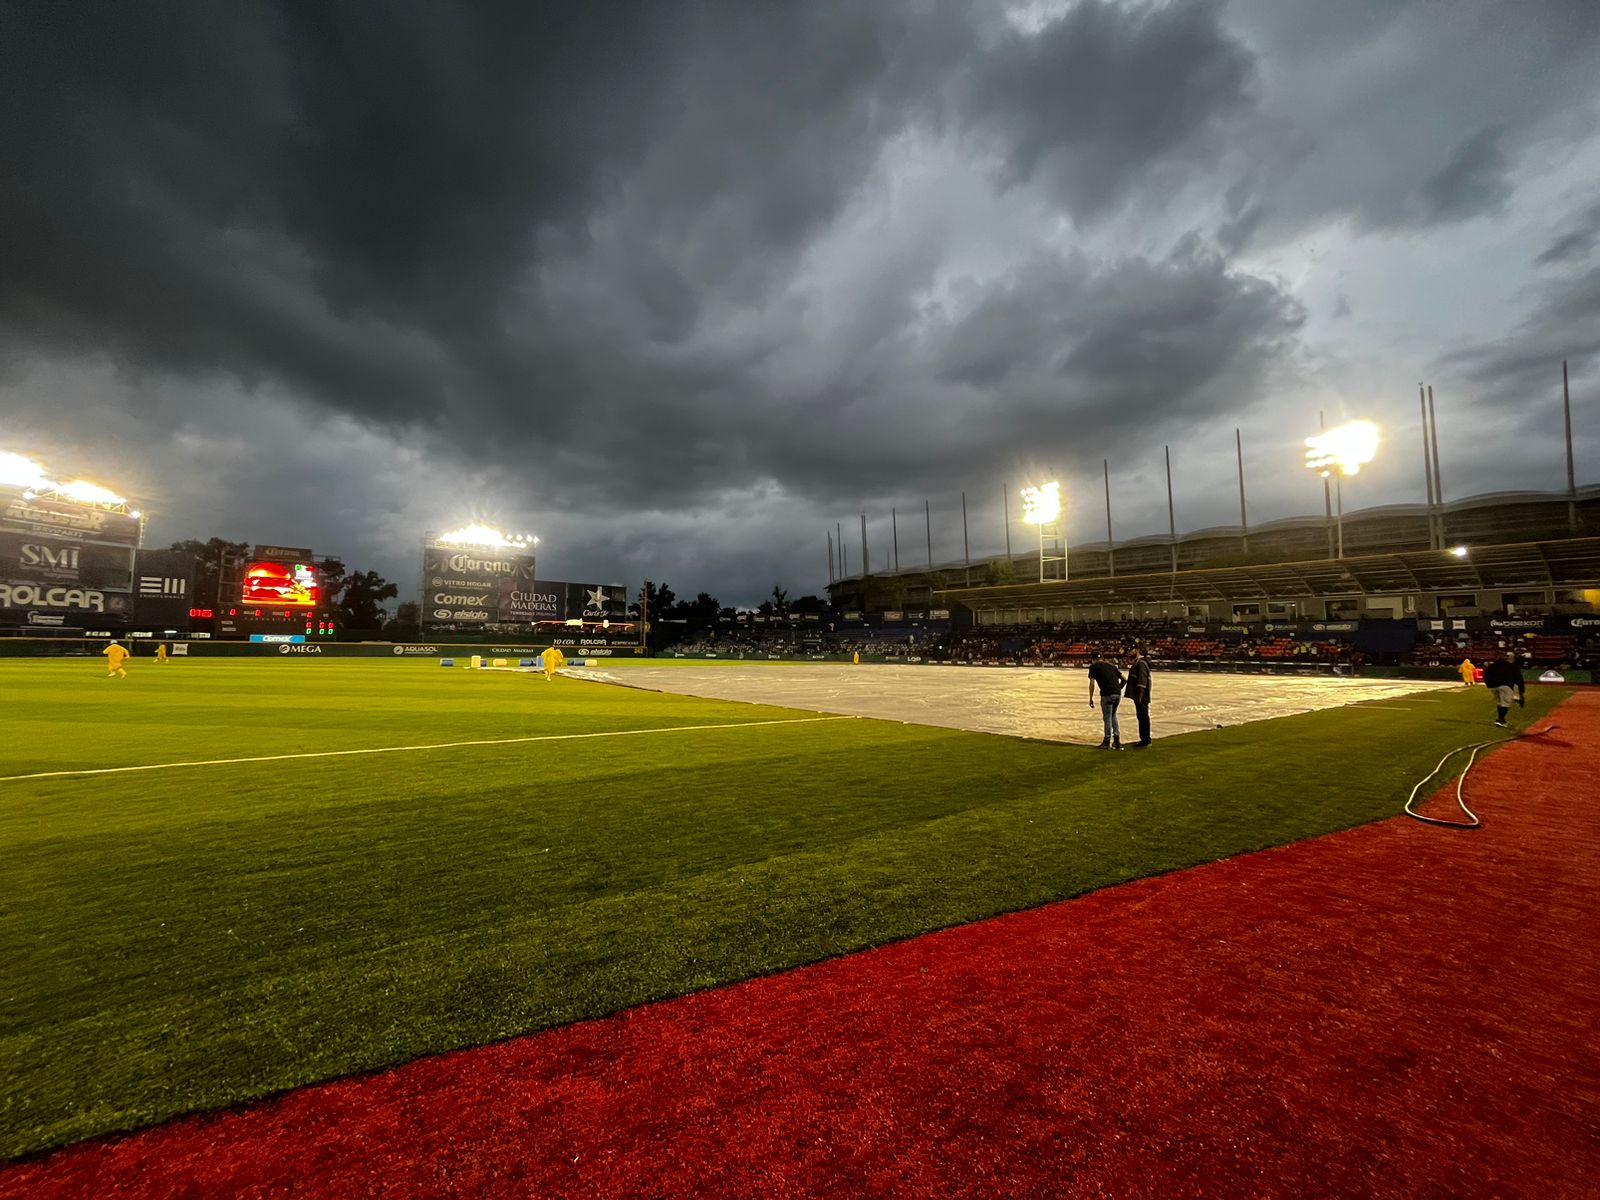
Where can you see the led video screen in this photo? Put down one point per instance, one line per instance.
(280, 585)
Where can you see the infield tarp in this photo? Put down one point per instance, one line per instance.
(1020, 702)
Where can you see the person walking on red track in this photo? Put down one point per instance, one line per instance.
(1504, 678)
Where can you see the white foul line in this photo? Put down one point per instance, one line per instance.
(547, 737)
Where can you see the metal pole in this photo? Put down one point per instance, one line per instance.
(1572, 482)
(926, 516)
(831, 576)
(1172, 520)
(966, 546)
(1428, 469)
(1111, 554)
(866, 563)
(1338, 491)
(1327, 492)
(1244, 527)
(1005, 507)
(894, 526)
(1438, 479)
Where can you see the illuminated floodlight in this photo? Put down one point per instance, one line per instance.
(1459, 551)
(1041, 505)
(85, 492)
(1345, 449)
(18, 471)
(483, 535)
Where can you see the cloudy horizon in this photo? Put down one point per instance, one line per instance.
(683, 287)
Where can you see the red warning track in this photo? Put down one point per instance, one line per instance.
(1394, 1011)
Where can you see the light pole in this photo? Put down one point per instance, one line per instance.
(1041, 506)
(1342, 451)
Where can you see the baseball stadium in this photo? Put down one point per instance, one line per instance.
(555, 899)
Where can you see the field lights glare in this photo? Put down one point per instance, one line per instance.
(483, 535)
(1459, 551)
(1041, 505)
(17, 471)
(1346, 448)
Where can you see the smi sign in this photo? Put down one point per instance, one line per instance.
(64, 558)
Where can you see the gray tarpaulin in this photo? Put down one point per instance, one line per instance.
(1020, 701)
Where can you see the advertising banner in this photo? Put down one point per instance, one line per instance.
(19, 600)
(35, 558)
(484, 587)
(61, 519)
(163, 581)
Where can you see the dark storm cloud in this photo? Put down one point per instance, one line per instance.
(1402, 115)
(1108, 95)
(1575, 241)
(1475, 181)
(677, 259)
(1564, 324)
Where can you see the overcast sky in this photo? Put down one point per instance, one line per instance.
(680, 286)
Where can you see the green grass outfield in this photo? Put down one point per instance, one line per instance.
(186, 938)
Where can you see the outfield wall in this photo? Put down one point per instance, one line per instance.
(142, 648)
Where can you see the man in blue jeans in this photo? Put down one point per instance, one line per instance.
(1109, 680)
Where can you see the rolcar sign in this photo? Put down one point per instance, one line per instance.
(28, 595)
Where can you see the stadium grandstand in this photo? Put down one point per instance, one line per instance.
(1503, 553)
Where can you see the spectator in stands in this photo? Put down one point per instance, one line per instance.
(1504, 678)
(1138, 691)
(1109, 680)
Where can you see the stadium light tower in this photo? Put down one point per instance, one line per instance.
(1041, 506)
(486, 537)
(1342, 451)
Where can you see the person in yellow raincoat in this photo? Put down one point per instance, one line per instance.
(552, 660)
(161, 652)
(116, 654)
(1468, 672)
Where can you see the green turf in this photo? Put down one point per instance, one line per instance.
(183, 939)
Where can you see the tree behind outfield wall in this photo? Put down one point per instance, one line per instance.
(361, 597)
(210, 555)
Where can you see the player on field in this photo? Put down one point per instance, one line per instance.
(1468, 671)
(116, 654)
(552, 660)
(161, 652)
(1504, 679)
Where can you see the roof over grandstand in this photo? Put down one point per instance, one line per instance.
(1569, 562)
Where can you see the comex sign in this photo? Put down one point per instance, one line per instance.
(25, 595)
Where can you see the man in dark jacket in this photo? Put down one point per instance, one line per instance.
(1138, 692)
(1109, 680)
(1504, 678)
